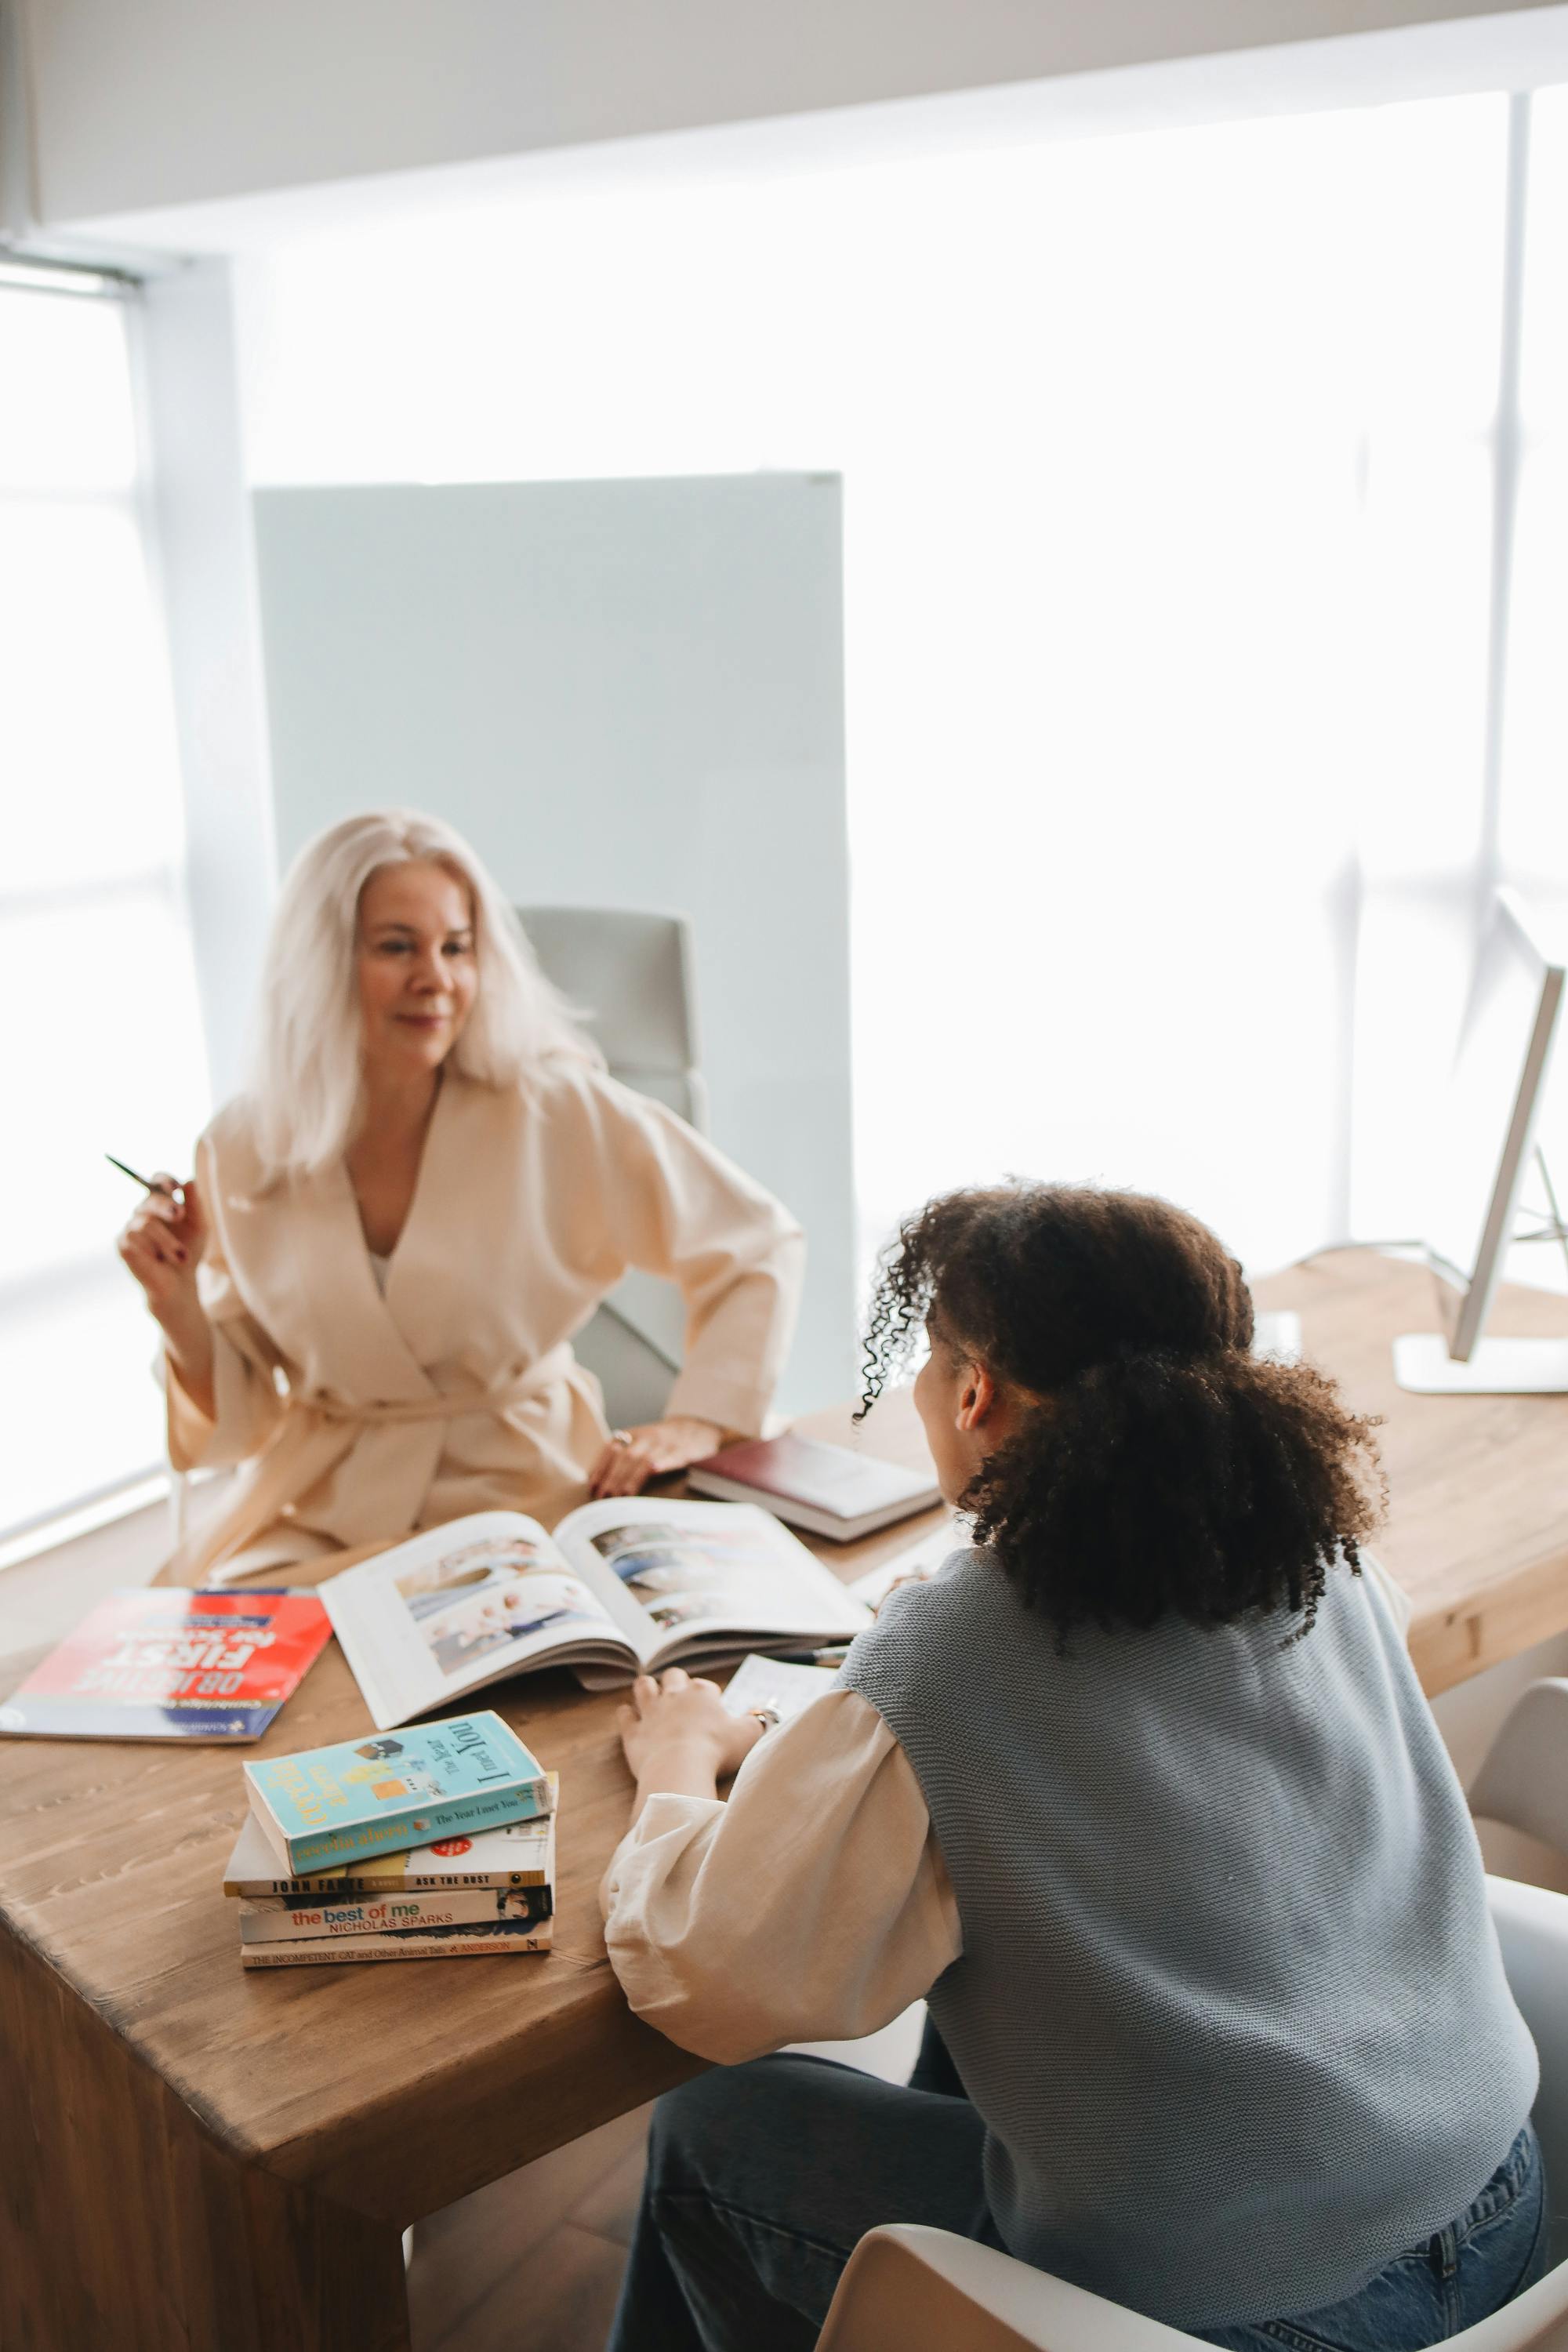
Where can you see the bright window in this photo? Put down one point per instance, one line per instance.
(104, 1048)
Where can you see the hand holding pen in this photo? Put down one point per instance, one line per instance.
(163, 1242)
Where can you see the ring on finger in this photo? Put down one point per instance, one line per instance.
(620, 1437)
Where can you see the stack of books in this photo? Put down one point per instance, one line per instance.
(436, 1844)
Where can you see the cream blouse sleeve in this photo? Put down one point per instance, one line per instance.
(814, 1905)
(667, 1201)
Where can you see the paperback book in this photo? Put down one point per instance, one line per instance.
(158, 1663)
(337, 1804)
(503, 1936)
(622, 1588)
(299, 1921)
(518, 1854)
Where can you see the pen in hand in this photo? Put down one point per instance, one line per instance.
(163, 1245)
(168, 1231)
(176, 1192)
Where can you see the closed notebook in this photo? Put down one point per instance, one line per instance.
(825, 1489)
(385, 1793)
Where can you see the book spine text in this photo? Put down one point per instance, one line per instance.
(389, 1913)
(418, 1825)
(319, 1953)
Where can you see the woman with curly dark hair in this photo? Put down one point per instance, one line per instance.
(1141, 1792)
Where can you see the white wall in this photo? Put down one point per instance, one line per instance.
(169, 103)
(626, 694)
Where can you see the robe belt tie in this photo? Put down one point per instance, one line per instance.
(384, 1412)
(318, 1431)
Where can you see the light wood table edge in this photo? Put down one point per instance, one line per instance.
(618, 2064)
(1514, 1612)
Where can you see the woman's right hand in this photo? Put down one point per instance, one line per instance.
(162, 1243)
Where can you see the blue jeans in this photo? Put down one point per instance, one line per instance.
(761, 2179)
(1493, 2252)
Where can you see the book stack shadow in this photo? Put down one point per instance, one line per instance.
(435, 1842)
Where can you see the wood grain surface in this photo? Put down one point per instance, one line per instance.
(1477, 1520)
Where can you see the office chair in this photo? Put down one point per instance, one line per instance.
(929, 2291)
(629, 975)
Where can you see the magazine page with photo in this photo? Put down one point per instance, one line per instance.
(622, 1587)
(460, 1607)
(708, 1581)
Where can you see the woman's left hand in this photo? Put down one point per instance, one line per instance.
(679, 1737)
(652, 1450)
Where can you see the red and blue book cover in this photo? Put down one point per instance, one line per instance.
(163, 1664)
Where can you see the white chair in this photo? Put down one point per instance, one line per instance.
(630, 975)
(1523, 1781)
(908, 2289)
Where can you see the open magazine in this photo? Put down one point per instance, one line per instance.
(623, 1587)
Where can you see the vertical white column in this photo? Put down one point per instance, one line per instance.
(1507, 432)
(203, 531)
(18, 199)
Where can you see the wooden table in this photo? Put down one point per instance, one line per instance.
(1477, 1525)
(192, 2158)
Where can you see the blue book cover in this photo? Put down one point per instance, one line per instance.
(394, 1789)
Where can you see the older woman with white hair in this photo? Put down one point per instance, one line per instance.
(368, 1291)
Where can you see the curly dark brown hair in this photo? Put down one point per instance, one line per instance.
(1160, 1467)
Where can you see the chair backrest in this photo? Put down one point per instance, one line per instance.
(1524, 1779)
(628, 973)
(925, 2290)
(1532, 1929)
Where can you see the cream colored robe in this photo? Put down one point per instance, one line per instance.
(361, 1419)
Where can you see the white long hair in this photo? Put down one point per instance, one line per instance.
(305, 1096)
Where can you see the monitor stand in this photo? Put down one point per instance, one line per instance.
(1496, 1367)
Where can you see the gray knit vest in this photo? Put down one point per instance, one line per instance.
(1230, 2004)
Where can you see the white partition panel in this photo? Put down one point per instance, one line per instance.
(626, 693)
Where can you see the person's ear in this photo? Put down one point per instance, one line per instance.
(977, 1397)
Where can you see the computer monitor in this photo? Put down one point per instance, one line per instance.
(1482, 1153)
